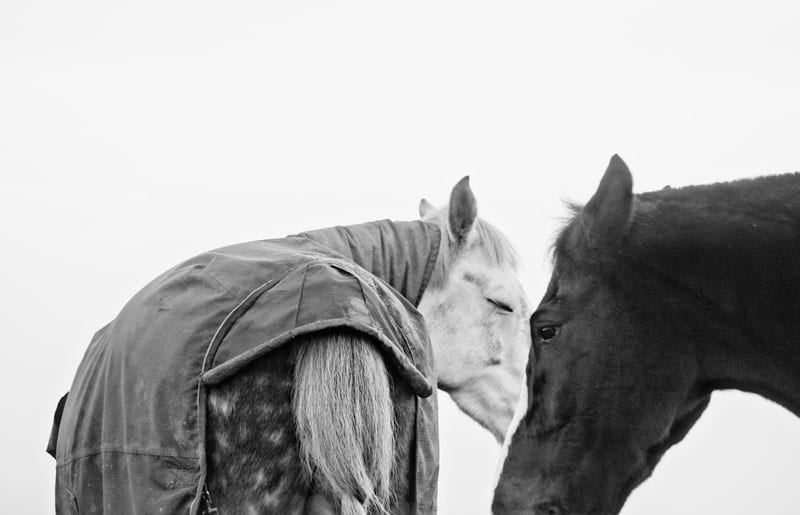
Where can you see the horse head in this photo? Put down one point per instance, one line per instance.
(612, 380)
(476, 313)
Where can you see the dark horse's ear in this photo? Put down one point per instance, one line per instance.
(463, 210)
(607, 215)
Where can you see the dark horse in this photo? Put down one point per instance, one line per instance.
(655, 301)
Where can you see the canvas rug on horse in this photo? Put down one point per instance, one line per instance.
(133, 429)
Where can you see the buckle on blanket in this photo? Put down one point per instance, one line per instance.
(210, 509)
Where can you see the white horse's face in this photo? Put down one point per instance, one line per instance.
(477, 318)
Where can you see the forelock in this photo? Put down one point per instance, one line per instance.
(496, 244)
(570, 236)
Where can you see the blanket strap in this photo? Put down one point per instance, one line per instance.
(51, 443)
(208, 504)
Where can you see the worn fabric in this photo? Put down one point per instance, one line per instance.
(132, 431)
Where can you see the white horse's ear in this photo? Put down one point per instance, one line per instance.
(425, 207)
(463, 210)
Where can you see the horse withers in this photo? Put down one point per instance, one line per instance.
(655, 301)
(296, 375)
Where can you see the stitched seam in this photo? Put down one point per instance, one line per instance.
(123, 451)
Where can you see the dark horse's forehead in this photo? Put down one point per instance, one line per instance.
(569, 254)
(566, 254)
(572, 250)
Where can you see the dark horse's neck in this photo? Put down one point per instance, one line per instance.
(735, 248)
(400, 253)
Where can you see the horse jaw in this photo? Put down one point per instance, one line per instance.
(492, 409)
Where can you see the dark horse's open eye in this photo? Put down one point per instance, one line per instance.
(547, 332)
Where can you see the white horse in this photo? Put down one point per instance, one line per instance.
(339, 457)
(477, 314)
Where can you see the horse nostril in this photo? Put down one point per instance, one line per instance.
(548, 508)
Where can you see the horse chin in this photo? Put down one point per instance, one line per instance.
(633, 480)
(652, 456)
(487, 410)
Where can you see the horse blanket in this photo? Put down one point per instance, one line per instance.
(131, 436)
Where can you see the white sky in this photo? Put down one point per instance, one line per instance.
(135, 135)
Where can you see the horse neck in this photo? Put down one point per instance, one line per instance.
(402, 254)
(736, 249)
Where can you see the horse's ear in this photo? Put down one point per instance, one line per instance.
(463, 210)
(607, 215)
(425, 207)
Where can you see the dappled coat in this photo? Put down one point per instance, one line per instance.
(132, 432)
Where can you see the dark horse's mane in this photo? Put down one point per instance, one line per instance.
(699, 256)
(727, 215)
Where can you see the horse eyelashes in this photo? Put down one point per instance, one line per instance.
(502, 306)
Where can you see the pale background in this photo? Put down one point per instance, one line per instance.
(136, 134)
